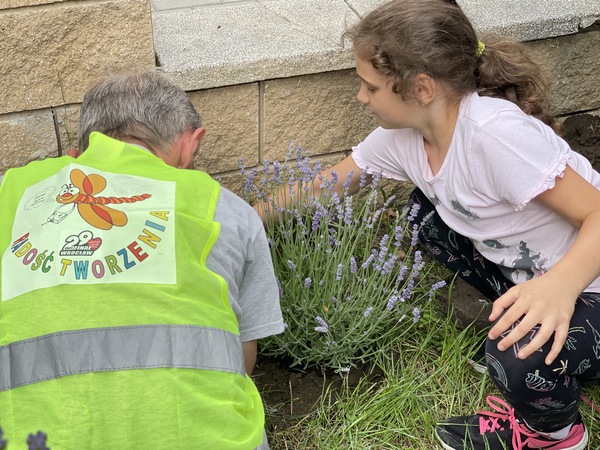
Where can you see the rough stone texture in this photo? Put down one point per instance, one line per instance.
(531, 20)
(26, 137)
(230, 116)
(319, 112)
(574, 68)
(69, 45)
(251, 41)
(232, 181)
(67, 118)
(7, 4)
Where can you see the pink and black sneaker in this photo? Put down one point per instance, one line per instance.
(501, 430)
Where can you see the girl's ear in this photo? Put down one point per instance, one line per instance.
(425, 89)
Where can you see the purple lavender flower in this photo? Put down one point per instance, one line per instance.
(368, 311)
(334, 177)
(348, 213)
(369, 260)
(291, 264)
(376, 178)
(414, 236)
(413, 212)
(388, 265)
(248, 182)
(353, 267)
(435, 287)
(332, 237)
(398, 236)
(392, 302)
(401, 274)
(323, 327)
(363, 177)
(265, 169)
(418, 264)
(298, 154)
(383, 248)
(307, 283)
(319, 215)
(407, 291)
(277, 172)
(37, 441)
(348, 180)
(338, 273)
(416, 315)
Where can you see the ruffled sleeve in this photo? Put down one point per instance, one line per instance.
(518, 157)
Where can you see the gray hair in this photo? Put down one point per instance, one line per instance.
(144, 106)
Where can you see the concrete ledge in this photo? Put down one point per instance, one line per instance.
(212, 43)
(531, 20)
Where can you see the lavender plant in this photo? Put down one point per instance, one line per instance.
(34, 441)
(352, 280)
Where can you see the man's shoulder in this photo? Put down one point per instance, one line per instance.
(233, 209)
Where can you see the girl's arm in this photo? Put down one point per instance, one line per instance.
(282, 198)
(549, 300)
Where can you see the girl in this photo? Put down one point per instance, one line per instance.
(517, 211)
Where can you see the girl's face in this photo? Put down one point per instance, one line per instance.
(375, 93)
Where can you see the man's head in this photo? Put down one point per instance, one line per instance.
(143, 108)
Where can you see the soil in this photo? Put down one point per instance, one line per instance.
(289, 394)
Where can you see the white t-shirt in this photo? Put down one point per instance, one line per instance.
(499, 160)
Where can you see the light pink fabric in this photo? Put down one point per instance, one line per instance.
(499, 160)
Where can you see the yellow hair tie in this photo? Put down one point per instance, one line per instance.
(480, 49)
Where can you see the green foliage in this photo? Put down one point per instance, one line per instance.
(352, 281)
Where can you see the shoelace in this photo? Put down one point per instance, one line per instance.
(490, 421)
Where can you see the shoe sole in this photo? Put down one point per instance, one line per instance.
(581, 445)
(477, 367)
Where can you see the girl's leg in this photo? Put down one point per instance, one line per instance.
(547, 397)
(455, 251)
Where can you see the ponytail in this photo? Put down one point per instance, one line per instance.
(506, 71)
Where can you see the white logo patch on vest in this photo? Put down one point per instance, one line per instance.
(83, 226)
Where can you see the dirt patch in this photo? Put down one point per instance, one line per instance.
(290, 394)
(582, 132)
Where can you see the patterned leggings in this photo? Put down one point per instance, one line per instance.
(546, 397)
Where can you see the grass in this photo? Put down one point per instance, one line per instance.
(421, 383)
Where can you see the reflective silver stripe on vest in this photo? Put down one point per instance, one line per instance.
(120, 348)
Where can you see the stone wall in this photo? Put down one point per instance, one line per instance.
(53, 49)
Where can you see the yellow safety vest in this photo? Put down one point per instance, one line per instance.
(113, 332)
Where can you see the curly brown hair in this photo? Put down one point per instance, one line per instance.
(404, 38)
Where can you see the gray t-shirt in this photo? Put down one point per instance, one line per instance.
(241, 256)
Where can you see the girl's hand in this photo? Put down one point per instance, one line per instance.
(536, 302)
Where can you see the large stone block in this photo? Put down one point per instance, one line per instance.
(26, 137)
(573, 64)
(53, 53)
(8, 4)
(319, 112)
(230, 116)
